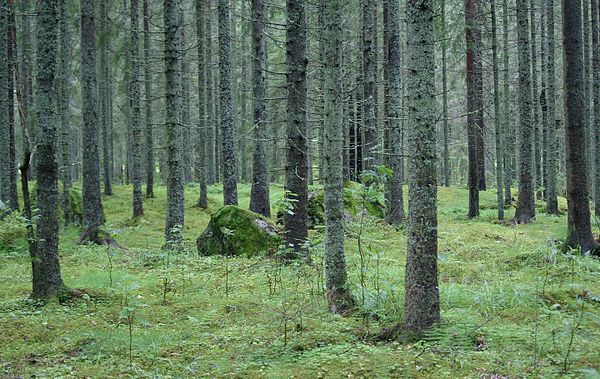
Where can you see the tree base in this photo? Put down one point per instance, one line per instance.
(97, 237)
(340, 302)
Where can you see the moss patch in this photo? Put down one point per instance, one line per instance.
(238, 232)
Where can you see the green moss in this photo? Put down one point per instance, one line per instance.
(235, 231)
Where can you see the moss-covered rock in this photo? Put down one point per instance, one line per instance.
(235, 231)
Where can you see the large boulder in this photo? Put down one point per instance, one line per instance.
(234, 231)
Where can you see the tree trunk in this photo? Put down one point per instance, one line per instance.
(136, 133)
(93, 215)
(296, 168)
(338, 293)
(174, 132)
(47, 281)
(551, 139)
(579, 228)
(526, 203)
(596, 110)
(13, 196)
(150, 165)
(472, 108)
(259, 196)
(497, 121)
(105, 99)
(446, 126)
(211, 129)
(202, 105)
(396, 198)
(4, 117)
(369, 86)
(509, 156)
(63, 109)
(227, 117)
(422, 303)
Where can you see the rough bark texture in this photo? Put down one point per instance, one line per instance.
(211, 130)
(4, 119)
(136, 132)
(472, 108)
(579, 228)
(226, 113)
(497, 120)
(369, 85)
(13, 196)
(202, 106)
(174, 132)
(296, 167)
(551, 138)
(596, 109)
(508, 127)
(526, 203)
(93, 215)
(422, 304)
(477, 25)
(63, 110)
(104, 91)
(535, 95)
(259, 196)
(149, 133)
(446, 126)
(47, 280)
(338, 293)
(396, 198)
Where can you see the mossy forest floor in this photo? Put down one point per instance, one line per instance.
(512, 304)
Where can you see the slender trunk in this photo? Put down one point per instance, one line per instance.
(174, 132)
(47, 280)
(446, 125)
(105, 99)
(211, 129)
(551, 140)
(525, 212)
(202, 105)
(369, 86)
(63, 108)
(338, 293)
(497, 121)
(472, 109)
(259, 196)
(535, 96)
(150, 165)
(227, 117)
(4, 104)
(596, 110)
(13, 196)
(136, 133)
(509, 156)
(422, 303)
(296, 168)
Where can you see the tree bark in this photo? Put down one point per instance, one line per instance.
(4, 117)
(596, 91)
(497, 120)
(422, 303)
(551, 140)
(472, 108)
(579, 227)
(202, 105)
(259, 196)
(104, 91)
(369, 85)
(150, 165)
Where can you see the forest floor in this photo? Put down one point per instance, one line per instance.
(512, 304)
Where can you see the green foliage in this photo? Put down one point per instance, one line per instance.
(12, 230)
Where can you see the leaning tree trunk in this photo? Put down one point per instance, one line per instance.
(136, 133)
(259, 196)
(396, 198)
(174, 133)
(551, 138)
(93, 215)
(526, 202)
(472, 109)
(296, 167)
(202, 106)
(47, 281)
(338, 293)
(422, 303)
(150, 165)
(227, 117)
(579, 228)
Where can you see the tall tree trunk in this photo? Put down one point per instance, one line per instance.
(188, 150)
(579, 227)
(202, 105)
(396, 198)
(422, 303)
(596, 92)
(211, 129)
(244, 91)
(543, 103)
(227, 117)
(4, 104)
(63, 109)
(259, 196)
(369, 86)
(150, 165)
(446, 125)
(47, 281)
(93, 215)
(509, 156)
(296, 167)
(497, 120)
(551, 140)
(338, 293)
(535, 96)
(105, 95)
(13, 196)
(479, 103)
(136, 133)
(174, 132)
(587, 80)
(526, 202)
(472, 108)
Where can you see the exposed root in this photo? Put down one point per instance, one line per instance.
(98, 237)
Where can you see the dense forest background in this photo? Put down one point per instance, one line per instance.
(285, 188)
